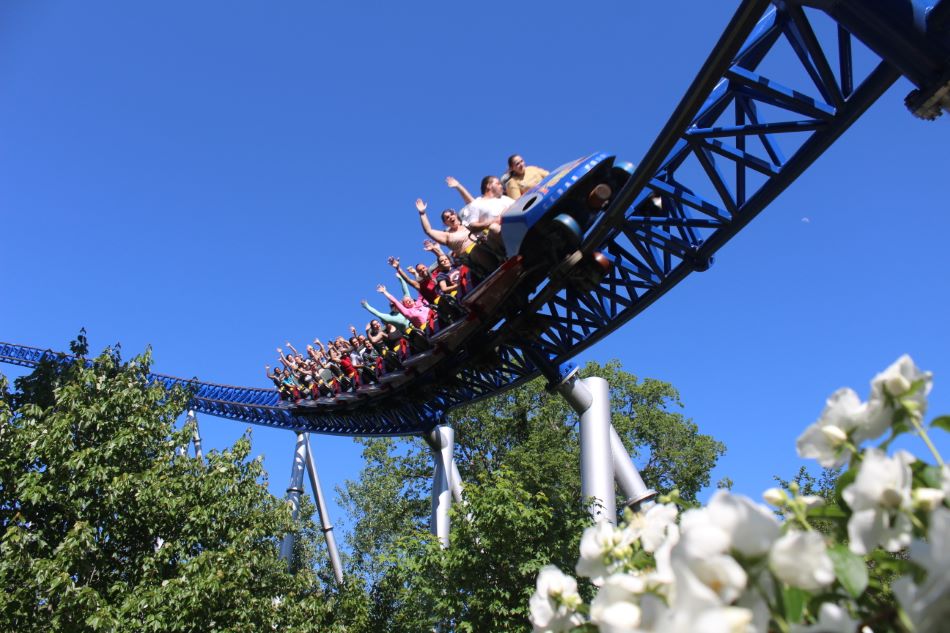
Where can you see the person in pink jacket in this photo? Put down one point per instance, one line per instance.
(416, 311)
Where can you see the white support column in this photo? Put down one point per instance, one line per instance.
(456, 483)
(294, 490)
(324, 515)
(442, 442)
(628, 476)
(590, 398)
(196, 437)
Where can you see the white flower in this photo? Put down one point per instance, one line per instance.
(554, 603)
(603, 547)
(705, 575)
(752, 528)
(615, 608)
(880, 498)
(713, 620)
(824, 440)
(653, 525)
(800, 559)
(663, 574)
(928, 604)
(897, 379)
(945, 480)
(831, 619)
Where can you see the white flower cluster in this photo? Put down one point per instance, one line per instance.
(732, 566)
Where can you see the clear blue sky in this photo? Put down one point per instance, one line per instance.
(215, 178)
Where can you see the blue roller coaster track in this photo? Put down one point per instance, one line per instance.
(739, 137)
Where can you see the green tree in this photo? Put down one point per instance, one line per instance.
(518, 454)
(104, 527)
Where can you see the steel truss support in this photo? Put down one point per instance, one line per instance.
(325, 524)
(196, 436)
(303, 459)
(445, 483)
(294, 490)
(603, 456)
(182, 451)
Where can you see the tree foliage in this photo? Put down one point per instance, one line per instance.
(104, 527)
(518, 455)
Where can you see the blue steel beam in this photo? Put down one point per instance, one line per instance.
(747, 136)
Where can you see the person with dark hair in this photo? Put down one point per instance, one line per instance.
(481, 212)
(466, 248)
(522, 177)
(427, 284)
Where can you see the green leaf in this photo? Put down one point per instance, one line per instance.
(832, 512)
(850, 570)
(794, 600)
(927, 475)
(943, 422)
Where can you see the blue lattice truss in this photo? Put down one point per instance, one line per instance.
(735, 142)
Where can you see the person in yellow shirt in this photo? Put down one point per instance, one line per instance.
(522, 177)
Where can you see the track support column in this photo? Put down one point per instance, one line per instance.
(590, 398)
(603, 456)
(196, 437)
(324, 515)
(294, 490)
(628, 476)
(442, 442)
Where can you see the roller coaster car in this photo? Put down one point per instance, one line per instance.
(549, 222)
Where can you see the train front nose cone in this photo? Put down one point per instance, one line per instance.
(598, 197)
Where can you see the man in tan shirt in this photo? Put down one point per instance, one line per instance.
(522, 177)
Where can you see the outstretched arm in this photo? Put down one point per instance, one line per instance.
(293, 349)
(439, 236)
(432, 247)
(405, 287)
(286, 361)
(462, 191)
(403, 276)
(398, 320)
(402, 309)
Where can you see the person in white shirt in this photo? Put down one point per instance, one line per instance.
(481, 212)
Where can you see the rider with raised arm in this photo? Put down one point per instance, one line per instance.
(481, 212)
(481, 260)
(428, 287)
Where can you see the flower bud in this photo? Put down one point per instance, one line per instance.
(834, 435)
(775, 497)
(812, 501)
(896, 385)
(927, 498)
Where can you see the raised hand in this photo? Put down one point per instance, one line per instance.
(421, 206)
(428, 245)
(451, 182)
(380, 288)
(364, 302)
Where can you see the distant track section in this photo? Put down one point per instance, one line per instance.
(781, 86)
(248, 404)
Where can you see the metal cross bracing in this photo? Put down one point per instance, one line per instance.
(746, 129)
